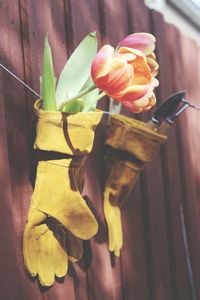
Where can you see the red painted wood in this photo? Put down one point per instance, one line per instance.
(17, 149)
(189, 132)
(85, 19)
(47, 17)
(110, 18)
(172, 166)
(8, 263)
(133, 258)
(153, 260)
(153, 197)
(79, 11)
(103, 280)
(136, 264)
(171, 173)
(138, 14)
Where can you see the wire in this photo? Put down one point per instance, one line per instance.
(187, 253)
(191, 105)
(28, 87)
(105, 112)
(15, 76)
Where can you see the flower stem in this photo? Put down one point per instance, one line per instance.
(81, 94)
(101, 95)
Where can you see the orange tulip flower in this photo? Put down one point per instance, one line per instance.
(127, 74)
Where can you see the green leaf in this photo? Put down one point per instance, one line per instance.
(48, 79)
(77, 69)
(90, 100)
(74, 106)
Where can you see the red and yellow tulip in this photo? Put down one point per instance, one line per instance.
(127, 74)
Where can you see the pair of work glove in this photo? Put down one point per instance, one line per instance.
(59, 218)
(129, 145)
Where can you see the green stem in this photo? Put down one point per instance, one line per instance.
(81, 94)
(101, 95)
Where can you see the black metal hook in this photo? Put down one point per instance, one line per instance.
(171, 108)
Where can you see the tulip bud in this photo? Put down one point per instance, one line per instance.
(127, 74)
(142, 41)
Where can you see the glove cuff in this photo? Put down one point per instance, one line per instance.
(67, 133)
(134, 136)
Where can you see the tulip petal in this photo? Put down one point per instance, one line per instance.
(142, 72)
(155, 83)
(134, 92)
(154, 66)
(142, 41)
(142, 105)
(127, 75)
(131, 107)
(102, 62)
(152, 55)
(130, 53)
(119, 78)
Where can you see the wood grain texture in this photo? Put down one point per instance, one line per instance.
(8, 261)
(136, 259)
(17, 146)
(50, 17)
(153, 197)
(173, 174)
(189, 140)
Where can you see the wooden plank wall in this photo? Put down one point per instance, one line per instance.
(161, 257)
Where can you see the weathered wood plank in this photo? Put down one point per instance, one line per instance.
(155, 195)
(8, 262)
(45, 17)
(152, 186)
(189, 143)
(138, 15)
(78, 12)
(17, 145)
(97, 260)
(133, 252)
(110, 17)
(135, 257)
(172, 169)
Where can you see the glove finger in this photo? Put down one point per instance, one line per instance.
(117, 232)
(52, 259)
(74, 247)
(43, 254)
(31, 245)
(45, 260)
(59, 249)
(76, 216)
(113, 218)
(71, 244)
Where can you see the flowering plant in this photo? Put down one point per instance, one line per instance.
(127, 74)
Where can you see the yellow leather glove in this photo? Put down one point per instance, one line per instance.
(130, 143)
(59, 217)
